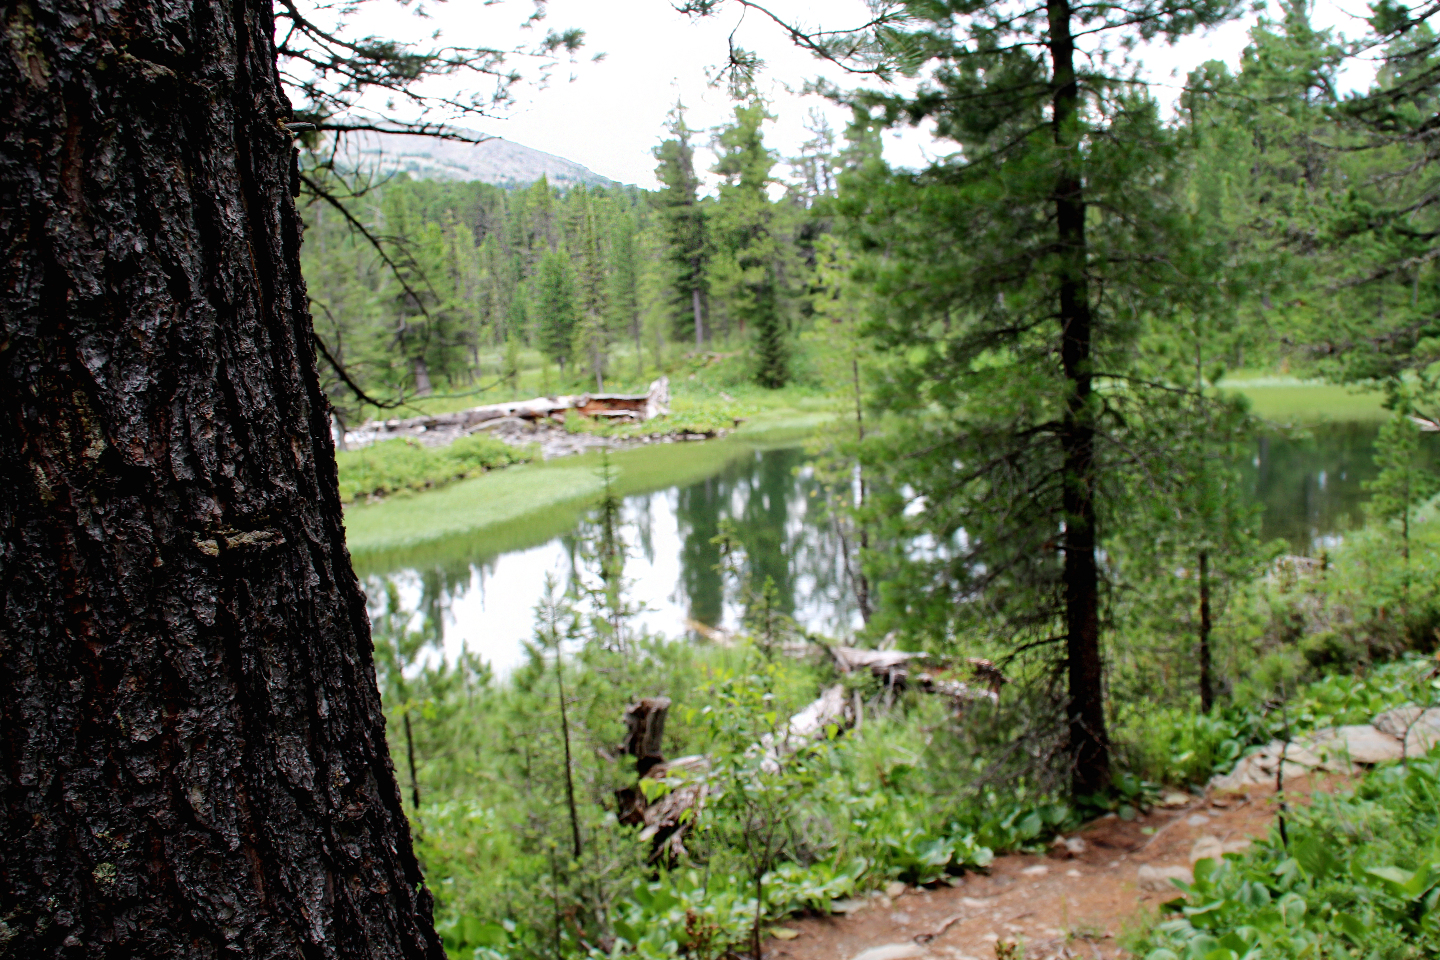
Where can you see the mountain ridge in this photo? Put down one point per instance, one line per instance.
(494, 160)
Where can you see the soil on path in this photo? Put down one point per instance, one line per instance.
(1060, 905)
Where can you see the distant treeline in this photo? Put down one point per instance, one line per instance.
(432, 286)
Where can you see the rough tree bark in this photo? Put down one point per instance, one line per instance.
(1089, 743)
(192, 753)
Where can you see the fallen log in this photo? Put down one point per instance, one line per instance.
(683, 784)
(443, 428)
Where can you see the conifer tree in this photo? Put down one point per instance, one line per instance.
(556, 306)
(623, 293)
(748, 268)
(592, 335)
(1017, 274)
(682, 219)
(1404, 480)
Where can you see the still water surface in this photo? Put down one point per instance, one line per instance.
(481, 596)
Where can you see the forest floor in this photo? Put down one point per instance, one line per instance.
(1057, 906)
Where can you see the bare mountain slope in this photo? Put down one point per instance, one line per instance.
(494, 161)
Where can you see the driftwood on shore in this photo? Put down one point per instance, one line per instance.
(893, 667)
(681, 786)
(665, 821)
(444, 428)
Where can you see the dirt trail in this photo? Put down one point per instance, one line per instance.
(1059, 905)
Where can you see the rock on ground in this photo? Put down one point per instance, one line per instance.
(1157, 879)
(1337, 749)
(1213, 848)
(1420, 728)
(892, 951)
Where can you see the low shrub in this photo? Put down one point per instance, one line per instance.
(1358, 877)
(395, 465)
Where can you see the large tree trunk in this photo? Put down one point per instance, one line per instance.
(192, 753)
(1089, 744)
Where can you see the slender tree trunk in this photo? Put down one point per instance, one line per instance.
(639, 353)
(565, 733)
(1089, 743)
(1207, 683)
(759, 915)
(862, 583)
(192, 752)
(699, 322)
(422, 378)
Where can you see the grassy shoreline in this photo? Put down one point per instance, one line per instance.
(531, 502)
(430, 511)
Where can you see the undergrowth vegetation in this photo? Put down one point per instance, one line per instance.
(517, 788)
(396, 465)
(1356, 874)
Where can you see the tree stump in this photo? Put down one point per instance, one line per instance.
(645, 732)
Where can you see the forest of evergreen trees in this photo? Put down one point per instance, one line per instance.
(426, 286)
(1024, 438)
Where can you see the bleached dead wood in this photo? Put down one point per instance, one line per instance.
(441, 429)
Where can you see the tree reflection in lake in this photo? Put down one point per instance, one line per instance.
(483, 597)
(486, 603)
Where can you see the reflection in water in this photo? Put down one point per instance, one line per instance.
(1311, 489)
(488, 606)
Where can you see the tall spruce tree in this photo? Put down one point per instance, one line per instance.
(1016, 276)
(623, 295)
(682, 219)
(1386, 230)
(557, 310)
(748, 268)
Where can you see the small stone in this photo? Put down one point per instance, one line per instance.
(894, 889)
(892, 951)
(1197, 820)
(784, 933)
(900, 917)
(1075, 846)
(1175, 800)
(1039, 870)
(847, 906)
(1157, 879)
(1072, 873)
(1207, 848)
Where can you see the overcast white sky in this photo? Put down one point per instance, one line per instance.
(608, 115)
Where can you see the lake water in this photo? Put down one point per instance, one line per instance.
(481, 594)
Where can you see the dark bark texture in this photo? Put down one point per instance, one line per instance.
(1089, 743)
(192, 753)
